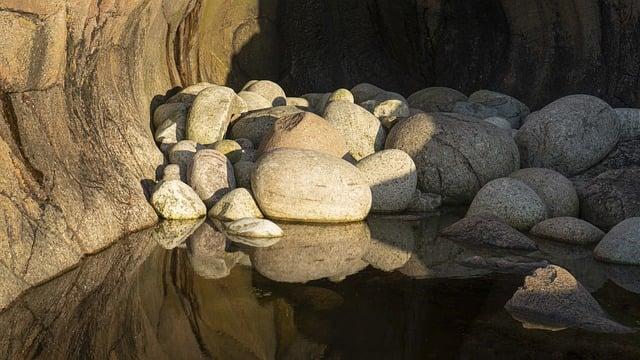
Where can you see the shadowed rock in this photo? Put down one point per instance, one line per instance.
(487, 230)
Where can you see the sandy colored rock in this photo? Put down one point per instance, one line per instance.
(487, 230)
(229, 148)
(252, 227)
(171, 172)
(211, 176)
(175, 200)
(436, 99)
(255, 125)
(304, 130)
(188, 94)
(235, 205)
(363, 132)
(341, 94)
(176, 112)
(254, 100)
(268, 90)
(392, 177)
(510, 200)
(505, 106)
(305, 185)
(299, 102)
(556, 191)
(568, 230)
(211, 113)
(621, 245)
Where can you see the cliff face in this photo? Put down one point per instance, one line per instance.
(78, 80)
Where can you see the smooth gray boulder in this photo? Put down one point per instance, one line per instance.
(436, 99)
(473, 109)
(211, 113)
(255, 125)
(556, 191)
(621, 245)
(552, 299)
(568, 230)
(629, 123)
(392, 177)
(511, 200)
(365, 91)
(455, 154)
(487, 230)
(235, 205)
(211, 176)
(510, 108)
(175, 200)
(569, 135)
(268, 90)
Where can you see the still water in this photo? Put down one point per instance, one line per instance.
(389, 288)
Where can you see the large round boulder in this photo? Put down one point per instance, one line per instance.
(436, 99)
(455, 155)
(255, 125)
(569, 135)
(505, 106)
(510, 200)
(392, 176)
(557, 192)
(269, 90)
(362, 131)
(211, 113)
(211, 176)
(304, 130)
(621, 245)
(309, 186)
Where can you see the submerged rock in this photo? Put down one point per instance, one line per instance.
(436, 99)
(175, 200)
(553, 299)
(235, 205)
(207, 253)
(251, 227)
(621, 245)
(211, 176)
(568, 230)
(506, 264)
(556, 191)
(487, 230)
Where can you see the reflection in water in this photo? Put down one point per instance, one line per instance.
(138, 300)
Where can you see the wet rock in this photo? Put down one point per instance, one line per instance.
(171, 172)
(455, 155)
(188, 94)
(568, 230)
(254, 100)
(172, 233)
(242, 171)
(621, 245)
(569, 135)
(175, 200)
(255, 125)
(498, 121)
(268, 90)
(181, 154)
(553, 299)
(629, 123)
(341, 94)
(211, 176)
(363, 132)
(436, 99)
(474, 109)
(510, 108)
(511, 200)
(304, 130)
(556, 191)
(235, 205)
(211, 113)
(611, 197)
(251, 227)
(487, 230)
(311, 252)
(423, 202)
(392, 243)
(391, 175)
(305, 185)
(229, 148)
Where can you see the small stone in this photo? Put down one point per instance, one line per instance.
(268, 90)
(629, 123)
(621, 245)
(436, 99)
(251, 227)
(211, 176)
(568, 230)
(175, 200)
(229, 148)
(424, 202)
(507, 107)
(242, 171)
(341, 94)
(487, 230)
(171, 172)
(235, 205)
(254, 100)
(211, 113)
(511, 200)
(556, 191)
(181, 154)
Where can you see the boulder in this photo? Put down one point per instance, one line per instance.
(568, 230)
(436, 99)
(229, 148)
(181, 154)
(510, 200)
(171, 172)
(569, 135)
(621, 245)
(555, 190)
(188, 94)
(553, 299)
(211, 176)
(392, 177)
(363, 132)
(387, 111)
(626, 154)
(242, 171)
(211, 113)
(252, 227)
(487, 230)
(473, 109)
(299, 102)
(254, 100)
(235, 205)
(629, 123)
(611, 197)
(341, 94)
(255, 125)
(498, 121)
(364, 91)
(175, 200)
(176, 112)
(304, 130)
(510, 108)
(305, 185)
(268, 90)
(455, 154)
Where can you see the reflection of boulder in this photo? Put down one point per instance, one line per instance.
(207, 253)
(392, 242)
(310, 252)
(172, 233)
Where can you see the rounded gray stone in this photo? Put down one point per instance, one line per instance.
(510, 108)
(436, 99)
(621, 245)
(568, 230)
(557, 192)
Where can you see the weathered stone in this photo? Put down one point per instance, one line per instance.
(242, 171)
(235, 205)
(304, 130)
(392, 243)
(510, 200)
(363, 132)
(392, 177)
(626, 154)
(487, 230)
(505, 264)
(569, 135)
(556, 191)
(510, 108)
(436, 99)
(387, 111)
(364, 91)
(553, 299)
(255, 125)
(474, 109)
(175, 200)
(211, 113)
(252, 227)
(423, 202)
(211, 176)
(171, 131)
(181, 154)
(188, 94)
(171, 172)
(305, 185)
(568, 230)
(341, 94)
(176, 112)
(299, 102)
(498, 121)
(629, 123)
(621, 245)
(455, 155)
(254, 100)
(268, 90)
(229, 148)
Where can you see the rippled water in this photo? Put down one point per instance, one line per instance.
(385, 289)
